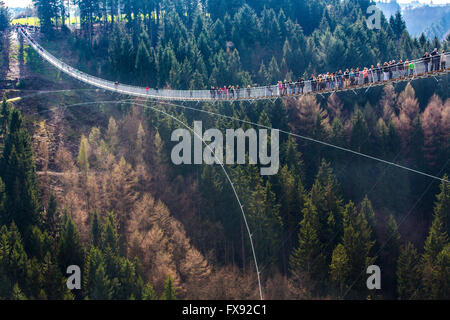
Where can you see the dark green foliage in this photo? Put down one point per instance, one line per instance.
(96, 232)
(4, 17)
(18, 173)
(53, 218)
(169, 290)
(70, 250)
(409, 273)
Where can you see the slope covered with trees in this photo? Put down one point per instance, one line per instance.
(143, 228)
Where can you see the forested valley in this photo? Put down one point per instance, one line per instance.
(86, 177)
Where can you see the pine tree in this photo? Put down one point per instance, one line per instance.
(148, 292)
(390, 255)
(409, 273)
(442, 207)
(169, 290)
(97, 284)
(70, 250)
(53, 218)
(265, 219)
(357, 241)
(339, 270)
(96, 232)
(4, 113)
(17, 169)
(440, 287)
(110, 234)
(435, 243)
(308, 257)
(360, 132)
(17, 294)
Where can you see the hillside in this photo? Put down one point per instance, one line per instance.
(421, 18)
(120, 186)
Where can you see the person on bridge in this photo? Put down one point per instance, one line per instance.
(411, 68)
(426, 60)
(400, 68)
(313, 83)
(352, 77)
(406, 68)
(386, 71)
(443, 60)
(435, 59)
(379, 71)
(366, 75)
(346, 77)
(394, 69)
(302, 85)
(147, 89)
(269, 90)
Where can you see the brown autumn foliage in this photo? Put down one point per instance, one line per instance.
(128, 174)
(409, 110)
(432, 129)
(388, 103)
(119, 180)
(304, 113)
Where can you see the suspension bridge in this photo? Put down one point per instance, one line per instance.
(249, 93)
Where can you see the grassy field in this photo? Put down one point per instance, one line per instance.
(34, 21)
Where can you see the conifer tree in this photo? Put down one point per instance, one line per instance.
(339, 270)
(408, 273)
(169, 290)
(18, 171)
(435, 243)
(96, 232)
(440, 287)
(70, 250)
(97, 284)
(357, 241)
(308, 257)
(53, 218)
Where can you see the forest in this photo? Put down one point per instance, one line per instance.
(93, 185)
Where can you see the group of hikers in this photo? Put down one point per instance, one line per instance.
(339, 80)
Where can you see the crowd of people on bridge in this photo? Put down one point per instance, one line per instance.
(339, 80)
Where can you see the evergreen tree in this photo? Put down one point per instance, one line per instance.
(390, 255)
(97, 284)
(409, 273)
(357, 241)
(339, 270)
(435, 243)
(19, 175)
(308, 257)
(96, 232)
(169, 290)
(440, 287)
(70, 250)
(53, 218)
